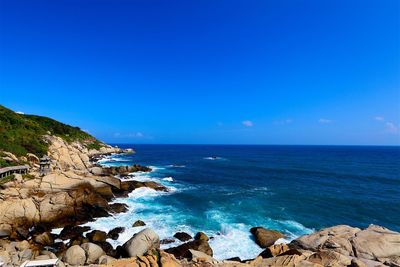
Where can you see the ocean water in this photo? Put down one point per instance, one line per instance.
(225, 190)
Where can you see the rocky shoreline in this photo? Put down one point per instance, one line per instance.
(78, 190)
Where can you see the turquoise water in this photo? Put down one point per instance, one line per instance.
(226, 190)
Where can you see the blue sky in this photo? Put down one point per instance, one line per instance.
(217, 72)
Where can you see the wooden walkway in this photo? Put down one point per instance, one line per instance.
(4, 172)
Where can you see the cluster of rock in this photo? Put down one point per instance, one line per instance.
(77, 190)
(119, 170)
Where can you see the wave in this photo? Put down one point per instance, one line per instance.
(176, 166)
(214, 158)
(169, 179)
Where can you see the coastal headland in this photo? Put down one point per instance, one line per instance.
(75, 190)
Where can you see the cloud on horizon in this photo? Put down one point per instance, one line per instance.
(248, 123)
(129, 135)
(282, 122)
(325, 121)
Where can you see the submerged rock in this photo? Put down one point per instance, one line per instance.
(97, 236)
(182, 236)
(114, 233)
(138, 223)
(199, 244)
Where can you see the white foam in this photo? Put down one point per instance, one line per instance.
(234, 240)
(176, 166)
(169, 179)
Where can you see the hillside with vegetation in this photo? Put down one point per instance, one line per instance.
(21, 134)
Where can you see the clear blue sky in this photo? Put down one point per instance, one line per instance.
(235, 72)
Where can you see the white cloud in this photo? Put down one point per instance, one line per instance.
(392, 128)
(20, 112)
(248, 123)
(282, 122)
(129, 135)
(379, 118)
(324, 121)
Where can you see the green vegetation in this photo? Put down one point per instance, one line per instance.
(28, 176)
(7, 179)
(20, 134)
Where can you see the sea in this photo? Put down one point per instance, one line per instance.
(225, 190)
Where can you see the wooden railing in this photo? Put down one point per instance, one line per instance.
(7, 171)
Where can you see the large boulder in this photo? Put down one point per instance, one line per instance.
(93, 252)
(336, 238)
(75, 255)
(264, 237)
(377, 243)
(142, 242)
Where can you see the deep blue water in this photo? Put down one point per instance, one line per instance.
(294, 189)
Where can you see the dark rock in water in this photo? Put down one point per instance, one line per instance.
(167, 241)
(201, 236)
(97, 236)
(118, 208)
(125, 170)
(234, 259)
(182, 251)
(72, 232)
(264, 237)
(114, 233)
(138, 223)
(128, 186)
(182, 236)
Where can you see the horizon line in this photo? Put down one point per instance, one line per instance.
(205, 144)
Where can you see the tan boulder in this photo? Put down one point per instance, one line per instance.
(10, 156)
(329, 258)
(336, 238)
(75, 255)
(274, 250)
(32, 158)
(168, 260)
(265, 237)
(93, 252)
(198, 256)
(106, 260)
(377, 243)
(142, 242)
